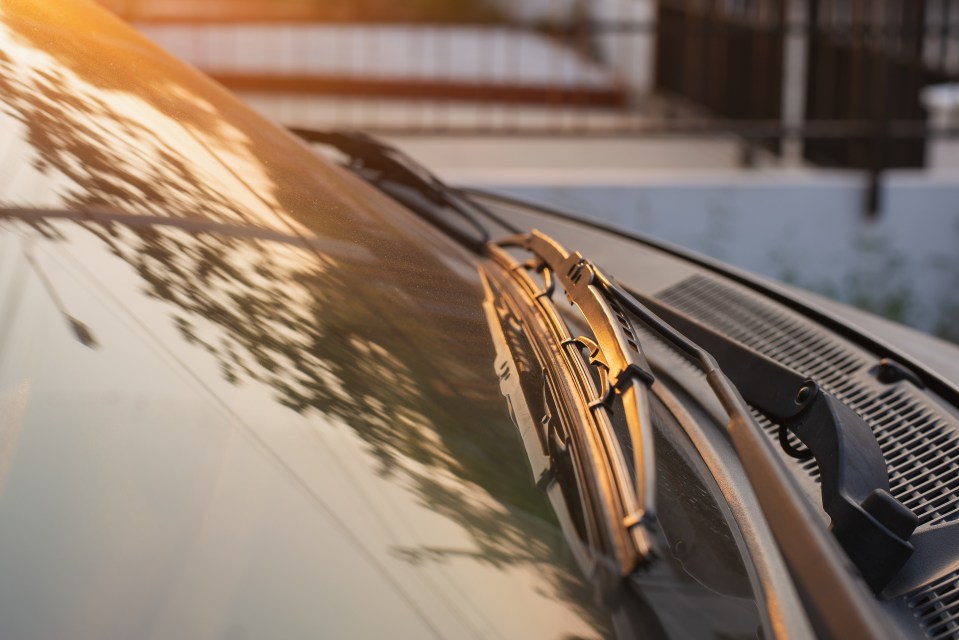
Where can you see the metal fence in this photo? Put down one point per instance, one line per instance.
(832, 82)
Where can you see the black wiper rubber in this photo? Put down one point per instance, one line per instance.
(871, 525)
(406, 181)
(574, 413)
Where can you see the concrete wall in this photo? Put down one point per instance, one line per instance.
(942, 102)
(629, 53)
(536, 10)
(802, 228)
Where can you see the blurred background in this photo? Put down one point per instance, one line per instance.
(812, 141)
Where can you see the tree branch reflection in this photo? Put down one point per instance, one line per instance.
(288, 273)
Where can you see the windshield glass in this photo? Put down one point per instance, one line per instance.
(253, 438)
(282, 414)
(242, 394)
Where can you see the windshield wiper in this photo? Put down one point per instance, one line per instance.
(842, 608)
(584, 420)
(871, 525)
(573, 398)
(818, 565)
(408, 182)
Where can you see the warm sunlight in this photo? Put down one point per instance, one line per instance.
(324, 10)
(540, 319)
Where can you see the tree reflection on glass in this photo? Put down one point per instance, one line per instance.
(381, 335)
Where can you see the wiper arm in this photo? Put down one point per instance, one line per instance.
(408, 182)
(840, 605)
(373, 154)
(610, 475)
(871, 525)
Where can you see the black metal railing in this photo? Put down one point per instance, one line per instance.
(840, 78)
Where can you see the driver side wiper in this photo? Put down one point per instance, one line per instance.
(842, 608)
(871, 525)
(585, 421)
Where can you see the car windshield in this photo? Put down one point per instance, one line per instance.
(255, 435)
(243, 392)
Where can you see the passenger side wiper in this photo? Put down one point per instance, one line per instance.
(841, 607)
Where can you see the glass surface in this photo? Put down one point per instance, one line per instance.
(242, 394)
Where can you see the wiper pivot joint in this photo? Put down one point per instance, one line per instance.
(871, 525)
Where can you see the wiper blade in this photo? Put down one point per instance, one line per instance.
(840, 605)
(375, 155)
(408, 182)
(871, 525)
(570, 432)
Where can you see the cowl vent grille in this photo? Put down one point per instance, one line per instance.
(936, 607)
(920, 441)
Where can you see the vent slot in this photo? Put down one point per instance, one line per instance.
(919, 442)
(936, 607)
